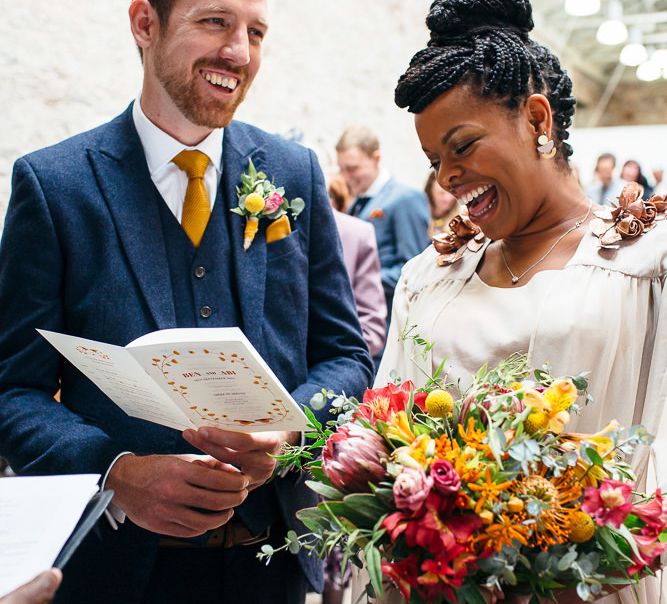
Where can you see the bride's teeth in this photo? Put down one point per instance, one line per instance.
(233, 83)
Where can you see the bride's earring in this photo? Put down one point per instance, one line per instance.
(546, 147)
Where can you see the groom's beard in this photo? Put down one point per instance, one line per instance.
(187, 92)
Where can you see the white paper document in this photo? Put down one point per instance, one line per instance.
(37, 516)
(187, 378)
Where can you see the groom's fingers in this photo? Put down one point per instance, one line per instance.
(214, 438)
(216, 479)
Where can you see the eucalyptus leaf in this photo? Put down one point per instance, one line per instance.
(325, 490)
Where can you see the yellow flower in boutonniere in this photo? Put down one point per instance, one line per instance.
(259, 198)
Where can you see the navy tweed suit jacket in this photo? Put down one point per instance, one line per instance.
(83, 253)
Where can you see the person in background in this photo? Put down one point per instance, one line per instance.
(660, 187)
(605, 188)
(632, 172)
(443, 206)
(363, 266)
(399, 213)
(38, 591)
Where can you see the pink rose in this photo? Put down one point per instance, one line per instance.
(445, 478)
(411, 489)
(273, 202)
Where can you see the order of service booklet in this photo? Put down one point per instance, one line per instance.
(187, 378)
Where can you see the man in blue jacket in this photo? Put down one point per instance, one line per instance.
(127, 229)
(399, 213)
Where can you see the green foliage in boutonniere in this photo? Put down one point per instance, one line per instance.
(260, 198)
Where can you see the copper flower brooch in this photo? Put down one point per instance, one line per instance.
(628, 219)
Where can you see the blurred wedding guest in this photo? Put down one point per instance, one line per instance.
(38, 591)
(442, 204)
(632, 172)
(399, 213)
(363, 265)
(605, 188)
(660, 187)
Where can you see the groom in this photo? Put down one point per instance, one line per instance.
(127, 229)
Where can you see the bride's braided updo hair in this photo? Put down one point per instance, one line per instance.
(485, 43)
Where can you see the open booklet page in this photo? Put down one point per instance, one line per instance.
(185, 378)
(37, 516)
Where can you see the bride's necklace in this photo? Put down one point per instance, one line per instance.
(516, 278)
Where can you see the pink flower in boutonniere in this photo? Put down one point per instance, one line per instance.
(260, 198)
(273, 202)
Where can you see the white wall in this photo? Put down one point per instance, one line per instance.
(69, 65)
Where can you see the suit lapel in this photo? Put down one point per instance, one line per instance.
(250, 266)
(123, 177)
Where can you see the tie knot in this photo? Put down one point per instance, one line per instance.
(193, 163)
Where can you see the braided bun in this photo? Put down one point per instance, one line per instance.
(485, 43)
(452, 18)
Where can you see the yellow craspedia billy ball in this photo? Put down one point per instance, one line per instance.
(439, 403)
(582, 527)
(536, 422)
(254, 203)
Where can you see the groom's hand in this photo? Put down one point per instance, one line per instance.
(174, 495)
(251, 453)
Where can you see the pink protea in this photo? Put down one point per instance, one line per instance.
(352, 457)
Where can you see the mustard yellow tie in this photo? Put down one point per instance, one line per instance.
(196, 207)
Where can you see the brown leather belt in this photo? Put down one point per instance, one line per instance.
(226, 536)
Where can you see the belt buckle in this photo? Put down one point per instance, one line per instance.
(238, 534)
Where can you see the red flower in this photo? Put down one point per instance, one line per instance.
(610, 504)
(448, 570)
(653, 514)
(381, 404)
(403, 574)
(352, 457)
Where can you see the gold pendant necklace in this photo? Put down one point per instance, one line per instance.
(516, 278)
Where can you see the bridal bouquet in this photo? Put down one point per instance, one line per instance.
(480, 495)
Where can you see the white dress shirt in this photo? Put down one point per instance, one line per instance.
(160, 148)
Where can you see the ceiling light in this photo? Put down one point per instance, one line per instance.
(649, 71)
(660, 57)
(582, 8)
(613, 31)
(634, 53)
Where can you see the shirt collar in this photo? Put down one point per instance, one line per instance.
(160, 148)
(378, 184)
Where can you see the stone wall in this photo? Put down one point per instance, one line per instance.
(70, 65)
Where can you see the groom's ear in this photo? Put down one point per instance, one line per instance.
(144, 23)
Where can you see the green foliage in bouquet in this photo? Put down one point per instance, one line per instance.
(457, 496)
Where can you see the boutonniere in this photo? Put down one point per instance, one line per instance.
(260, 198)
(628, 219)
(376, 213)
(463, 236)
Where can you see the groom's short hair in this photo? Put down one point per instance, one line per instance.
(163, 9)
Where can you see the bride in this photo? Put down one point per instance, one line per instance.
(493, 110)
